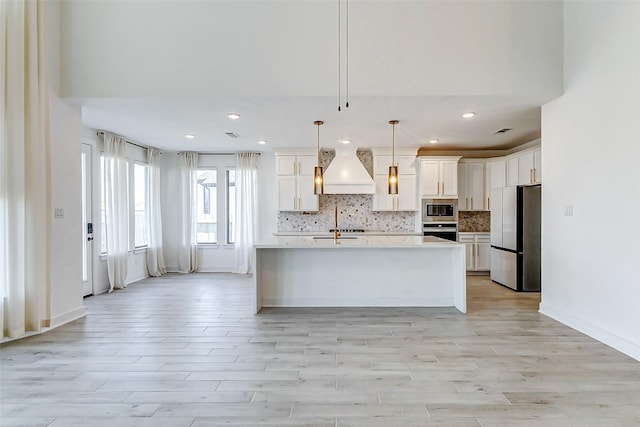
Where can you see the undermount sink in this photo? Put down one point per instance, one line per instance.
(331, 237)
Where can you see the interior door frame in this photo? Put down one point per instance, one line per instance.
(87, 217)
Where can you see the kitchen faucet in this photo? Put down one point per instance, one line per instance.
(336, 233)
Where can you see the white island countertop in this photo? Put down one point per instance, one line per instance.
(355, 241)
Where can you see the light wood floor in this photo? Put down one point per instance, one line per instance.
(186, 350)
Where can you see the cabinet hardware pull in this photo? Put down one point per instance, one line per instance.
(534, 175)
(472, 203)
(530, 175)
(489, 203)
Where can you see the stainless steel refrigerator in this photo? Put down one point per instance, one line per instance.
(516, 237)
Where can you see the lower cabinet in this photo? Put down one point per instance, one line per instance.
(478, 248)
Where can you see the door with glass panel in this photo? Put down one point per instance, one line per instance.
(87, 222)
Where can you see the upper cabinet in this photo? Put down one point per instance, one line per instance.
(497, 173)
(439, 177)
(530, 167)
(407, 197)
(524, 167)
(471, 185)
(294, 174)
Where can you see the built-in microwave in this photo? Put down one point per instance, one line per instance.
(439, 210)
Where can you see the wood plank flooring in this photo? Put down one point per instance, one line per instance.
(186, 350)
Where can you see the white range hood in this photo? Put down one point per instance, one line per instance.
(347, 175)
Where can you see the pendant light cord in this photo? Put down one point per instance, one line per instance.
(347, 40)
(339, 57)
(318, 125)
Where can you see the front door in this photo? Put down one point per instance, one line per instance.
(87, 222)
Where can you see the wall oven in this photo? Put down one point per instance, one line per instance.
(446, 230)
(434, 210)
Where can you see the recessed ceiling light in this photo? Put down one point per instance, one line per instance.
(433, 141)
(189, 135)
(468, 115)
(262, 142)
(233, 116)
(345, 141)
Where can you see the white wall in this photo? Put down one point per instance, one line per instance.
(267, 196)
(591, 146)
(65, 189)
(492, 47)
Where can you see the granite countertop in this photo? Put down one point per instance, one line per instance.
(359, 241)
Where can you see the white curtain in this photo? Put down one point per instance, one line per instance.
(188, 253)
(245, 213)
(25, 206)
(155, 254)
(116, 210)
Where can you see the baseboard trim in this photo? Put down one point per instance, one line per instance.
(215, 268)
(67, 317)
(357, 302)
(622, 345)
(55, 322)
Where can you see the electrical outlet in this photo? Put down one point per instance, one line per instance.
(568, 210)
(59, 213)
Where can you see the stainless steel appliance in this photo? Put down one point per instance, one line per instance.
(439, 210)
(444, 230)
(516, 237)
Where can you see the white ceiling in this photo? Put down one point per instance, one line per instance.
(218, 57)
(287, 122)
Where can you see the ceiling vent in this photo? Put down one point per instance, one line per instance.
(503, 130)
(232, 135)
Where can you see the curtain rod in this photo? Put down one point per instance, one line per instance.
(127, 141)
(201, 154)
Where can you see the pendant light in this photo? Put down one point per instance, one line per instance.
(318, 179)
(393, 169)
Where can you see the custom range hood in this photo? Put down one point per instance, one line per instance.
(347, 175)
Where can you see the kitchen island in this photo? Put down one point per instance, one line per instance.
(359, 271)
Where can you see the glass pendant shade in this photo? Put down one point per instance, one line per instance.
(318, 180)
(393, 169)
(393, 180)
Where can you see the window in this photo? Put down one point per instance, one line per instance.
(206, 205)
(231, 205)
(141, 232)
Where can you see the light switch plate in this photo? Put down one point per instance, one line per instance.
(568, 210)
(59, 213)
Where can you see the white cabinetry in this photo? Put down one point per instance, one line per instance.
(407, 197)
(513, 171)
(478, 250)
(471, 185)
(439, 177)
(295, 182)
(524, 167)
(497, 173)
(530, 167)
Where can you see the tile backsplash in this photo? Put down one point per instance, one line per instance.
(354, 210)
(474, 221)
